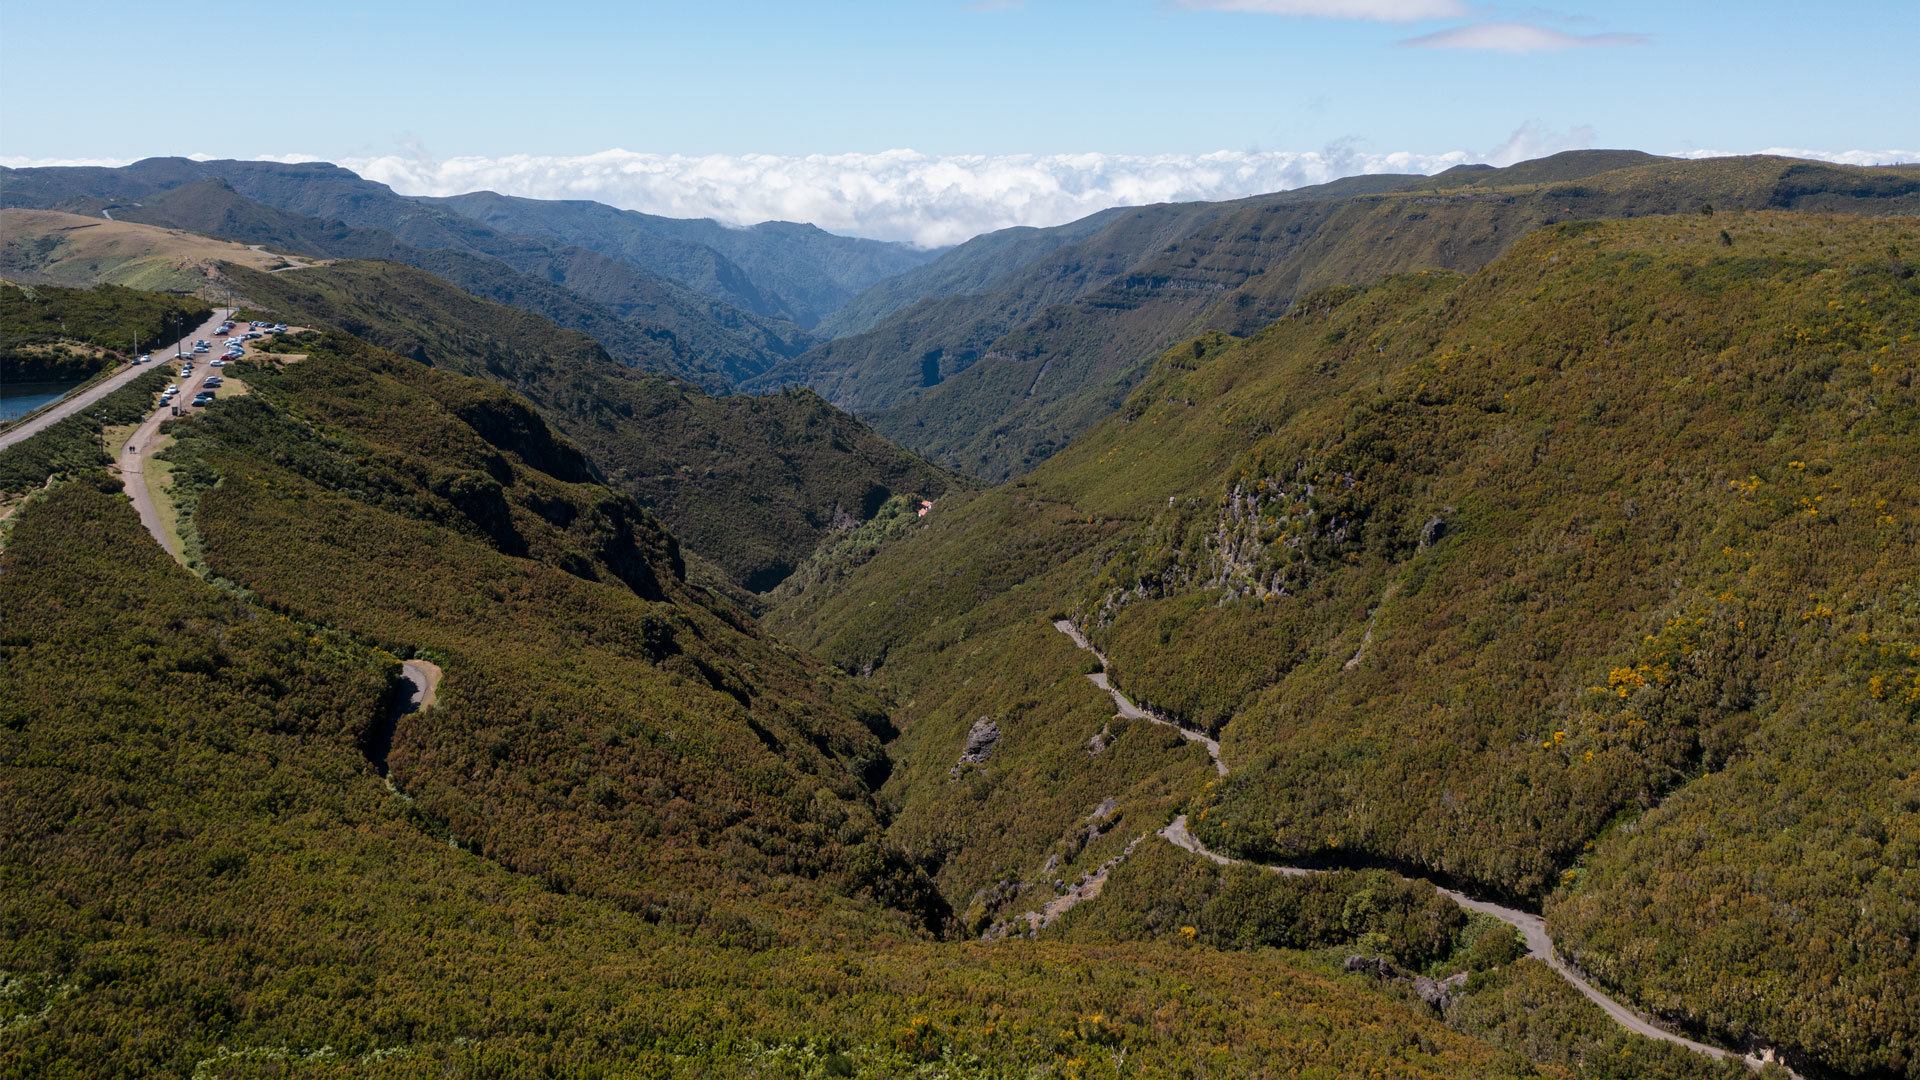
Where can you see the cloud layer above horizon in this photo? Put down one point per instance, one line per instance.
(931, 201)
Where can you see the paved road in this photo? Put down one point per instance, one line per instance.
(81, 399)
(146, 441)
(1533, 929)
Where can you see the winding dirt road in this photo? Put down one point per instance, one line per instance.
(146, 440)
(294, 262)
(133, 475)
(1533, 929)
(1127, 709)
(425, 677)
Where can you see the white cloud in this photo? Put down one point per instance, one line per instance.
(1530, 141)
(1373, 10)
(896, 195)
(52, 163)
(929, 200)
(1512, 37)
(1835, 157)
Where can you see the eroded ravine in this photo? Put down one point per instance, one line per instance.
(1533, 929)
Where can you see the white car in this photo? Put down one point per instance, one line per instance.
(218, 363)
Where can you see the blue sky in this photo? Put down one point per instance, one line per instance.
(399, 88)
(1047, 76)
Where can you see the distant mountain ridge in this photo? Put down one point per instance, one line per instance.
(642, 318)
(779, 269)
(991, 382)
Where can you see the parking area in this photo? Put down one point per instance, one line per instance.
(201, 366)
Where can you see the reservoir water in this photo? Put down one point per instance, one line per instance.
(19, 399)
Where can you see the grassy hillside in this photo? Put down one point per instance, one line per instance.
(634, 838)
(1584, 579)
(773, 271)
(48, 246)
(754, 484)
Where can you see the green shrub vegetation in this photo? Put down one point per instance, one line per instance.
(75, 445)
(1564, 581)
(634, 839)
(753, 484)
(1584, 579)
(35, 321)
(1163, 893)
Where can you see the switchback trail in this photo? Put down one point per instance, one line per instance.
(1130, 711)
(1533, 929)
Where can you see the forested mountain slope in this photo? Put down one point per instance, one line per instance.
(778, 269)
(970, 267)
(632, 836)
(754, 484)
(992, 383)
(1586, 579)
(642, 318)
(987, 260)
(948, 328)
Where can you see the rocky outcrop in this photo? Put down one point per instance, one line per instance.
(982, 738)
(1101, 739)
(1439, 993)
